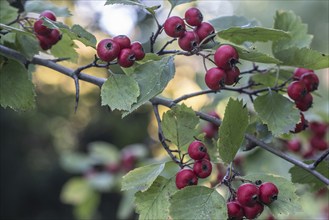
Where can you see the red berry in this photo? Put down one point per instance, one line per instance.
(296, 90)
(174, 26)
(294, 145)
(44, 42)
(309, 153)
(253, 211)
(204, 30)
(226, 57)
(302, 125)
(210, 130)
(318, 128)
(48, 14)
(113, 168)
(311, 81)
(122, 40)
(54, 36)
(232, 76)
(138, 50)
(234, 210)
(305, 103)
(215, 78)
(126, 58)
(193, 16)
(268, 192)
(186, 177)
(318, 143)
(247, 194)
(41, 29)
(189, 41)
(301, 71)
(128, 161)
(202, 168)
(108, 50)
(197, 150)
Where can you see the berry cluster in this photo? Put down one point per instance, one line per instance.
(211, 129)
(47, 37)
(225, 72)
(201, 169)
(189, 40)
(120, 48)
(250, 200)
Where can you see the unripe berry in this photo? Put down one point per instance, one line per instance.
(174, 26)
(108, 50)
(268, 192)
(319, 129)
(41, 29)
(215, 78)
(48, 14)
(137, 48)
(302, 125)
(296, 90)
(234, 211)
(197, 150)
(122, 40)
(204, 30)
(126, 58)
(294, 145)
(253, 211)
(311, 81)
(247, 194)
(301, 71)
(202, 168)
(226, 57)
(193, 16)
(232, 76)
(305, 103)
(318, 143)
(186, 177)
(189, 41)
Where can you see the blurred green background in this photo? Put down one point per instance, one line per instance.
(32, 143)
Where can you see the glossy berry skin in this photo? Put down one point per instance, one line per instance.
(302, 125)
(48, 14)
(41, 29)
(126, 58)
(197, 150)
(247, 194)
(318, 143)
(296, 90)
(186, 177)
(253, 211)
(319, 129)
(193, 16)
(305, 103)
(202, 168)
(123, 41)
(311, 81)
(189, 41)
(174, 27)
(108, 50)
(226, 57)
(137, 48)
(215, 78)
(232, 76)
(268, 193)
(301, 71)
(204, 30)
(294, 145)
(234, 210)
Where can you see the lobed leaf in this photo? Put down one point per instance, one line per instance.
(256, 56)
(226, 22)
(67, 43)
(40, 6)
(7, 12)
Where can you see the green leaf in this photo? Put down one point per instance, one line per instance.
(87, 209)
(16, 30)
(27, 45)
(197, 202)
(125, 2)
(140, 179)
(7, 12)
(119, 92)
(174, 3)
(272, 78)
(179, 125)
(277, 112)
(303, 57)
(255, 56)
(127, 204)
(152, 77)
(240, 35)
(226, 22)
(67, 43)
(232, 129)
(154, 203)
(104, 152)
(288, 202)
(76, 191)
(39, 6)
(16, 90)
(298, 175)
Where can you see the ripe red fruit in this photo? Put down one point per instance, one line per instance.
(309, 153)
(202, 168)
(301, 71)
(54, 36)
(48, 14)
(294, 145)
(197, 150)
(108, 50)
(226, 57)
(318, 143)
(302, 125)
(174, 26)
(126, 58)
(215, 78)
(311, 81)
(138, 50)
(44, 42)
(268, 192)
(253, 211)
(41, 29)
(319, 129)
(234, 210)
(122, 40)
(128, 161)
(210, 130)
(296, 90)
(247, 194)
(186, 177)
(232, 76)
(305, 103)
(204, 30)
(193, 16)
(189, 41)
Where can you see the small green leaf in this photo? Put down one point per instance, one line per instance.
(226, 22)
(179, 125)
(288, 202)
(277, 112)
(7, 12)
(104, 152)
(87, 209)
(197, 202)
(40, 6)
(120, 92)
(16, 30)
(67, 43)
(76, 191)
(154, 203)
(232, 129)
(174, 3)
(272, 78)
(140, 179)
(29, 46)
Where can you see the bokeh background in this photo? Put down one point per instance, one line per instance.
(34, 144)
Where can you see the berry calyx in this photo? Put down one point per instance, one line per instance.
(268, 192)
(126, 58)
(186, 177)
(189, 41)
(202, 168)
(305, 103)
(174, 26)
(234, 210)
(301, 71)
(215, 78)
(193, 16)
(232, 76)
(226, 57)
(138, 50)
(247, 194)
(253, 211)
(296, 90)
(48, 14)
(108, 50)
(122, 40)
(204, 30)
(310, 80)
(197, 150)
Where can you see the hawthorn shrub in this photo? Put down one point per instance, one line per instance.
(203, 175)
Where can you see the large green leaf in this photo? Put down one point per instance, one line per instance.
(226, 22)
(197, 202)
(255, 56)
(140, 179)
(27, 45)
(37, 6)
(277, 112)
(69, 52)
(154, 203)
(232, 130)
(119, 92)
(7, 13)
(179, 125)
(174, 3)
(288, 202)
(272, 78)
(16, 90)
